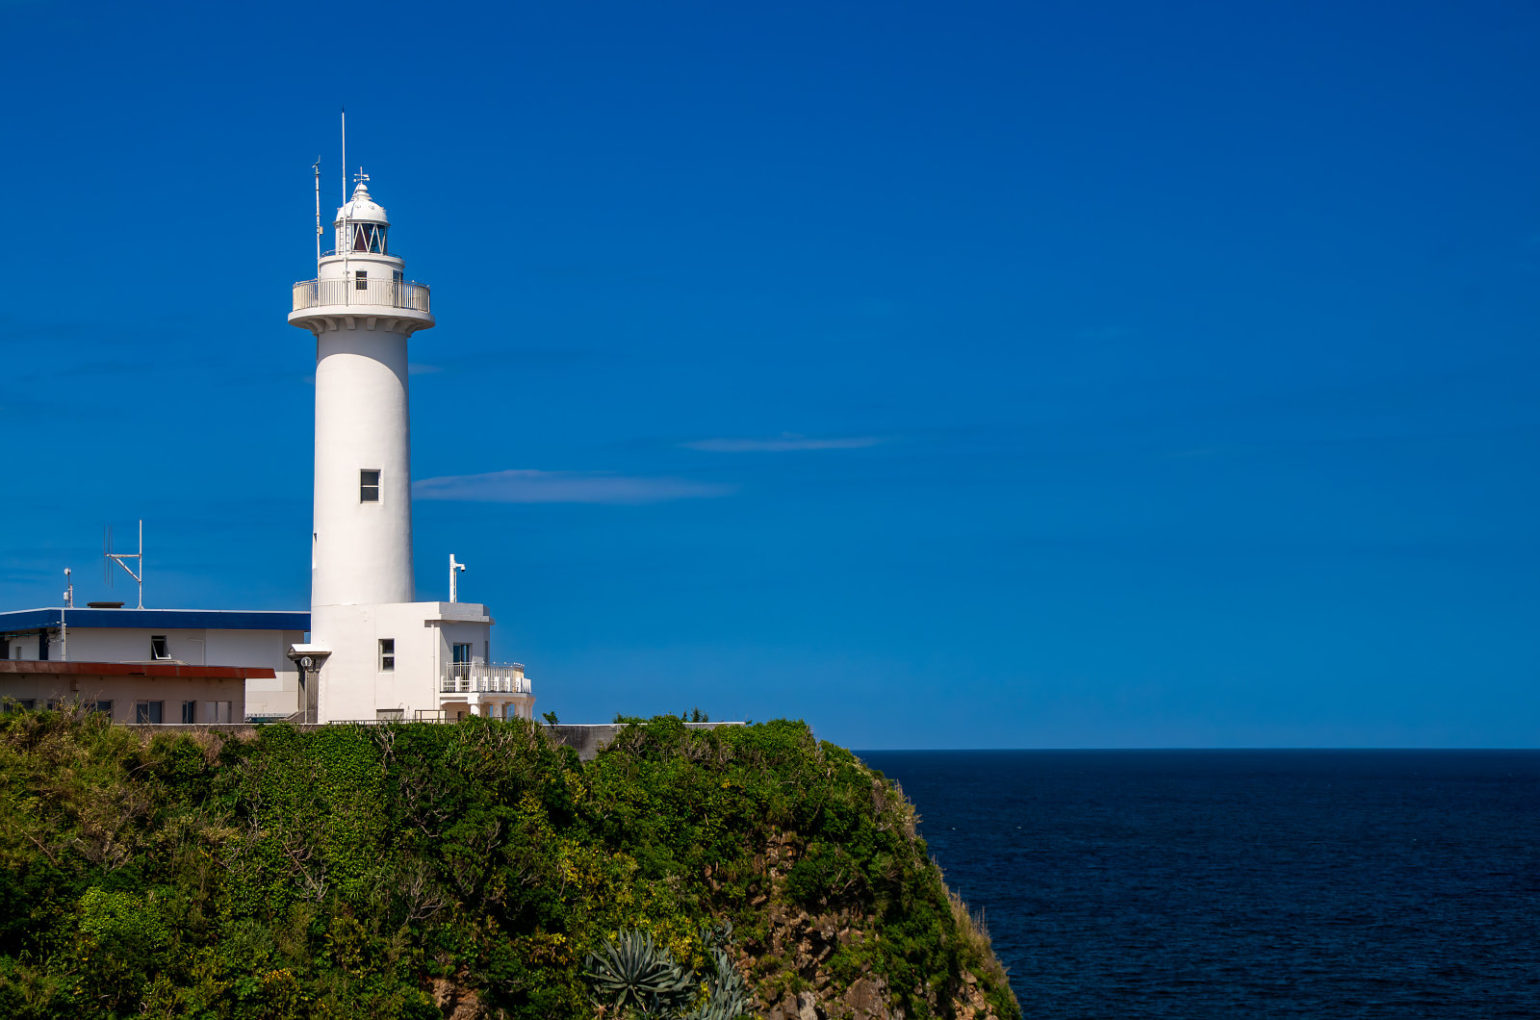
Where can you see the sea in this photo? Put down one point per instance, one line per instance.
(1256, 884)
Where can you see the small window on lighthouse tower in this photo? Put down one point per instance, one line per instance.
(361, 280)
(369, 486)
(387, 654)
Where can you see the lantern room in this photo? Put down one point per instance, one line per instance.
(361, 224)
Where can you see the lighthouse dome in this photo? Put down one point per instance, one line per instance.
(362, 207)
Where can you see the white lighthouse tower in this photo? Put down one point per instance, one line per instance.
(362, 312)
(374, 651)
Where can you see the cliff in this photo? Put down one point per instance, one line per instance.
(421, 871)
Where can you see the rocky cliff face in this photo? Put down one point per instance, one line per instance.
(809, 942)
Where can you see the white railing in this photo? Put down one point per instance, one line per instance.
(485, 678)
(378, 293)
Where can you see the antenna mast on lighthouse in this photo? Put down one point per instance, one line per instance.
(345, 239)
(317, 167)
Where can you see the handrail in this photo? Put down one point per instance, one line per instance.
(485, 678)
(376, 293)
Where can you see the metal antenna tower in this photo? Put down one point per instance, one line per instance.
(109, 557)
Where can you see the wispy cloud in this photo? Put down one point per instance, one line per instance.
(530, 486)
(782, 443)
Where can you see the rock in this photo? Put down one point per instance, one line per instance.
(866, 1000)
(455, 1000)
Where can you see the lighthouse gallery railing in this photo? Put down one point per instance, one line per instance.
(376, 293)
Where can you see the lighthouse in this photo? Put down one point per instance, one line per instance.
(362, 311)
(375, 652)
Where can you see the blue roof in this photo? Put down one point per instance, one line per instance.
(157, 619)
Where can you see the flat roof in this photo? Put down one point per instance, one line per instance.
(161, 670)
(156, 619)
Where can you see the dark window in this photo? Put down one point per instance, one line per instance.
(158, 647)
(105, 707)
(189, 711)
(42, 646)
(360, 280)
(387, 654)
(369, 486)
(149, 711)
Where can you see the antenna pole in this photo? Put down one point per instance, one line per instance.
(64, 627)
(318, 209)
(345, 239)
(121, 559)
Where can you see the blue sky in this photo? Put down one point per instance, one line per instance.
(966, 375)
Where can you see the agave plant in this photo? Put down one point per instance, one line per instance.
(634, 972)
(727, 992)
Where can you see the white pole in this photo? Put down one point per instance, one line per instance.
(344, 241)
(64, 630)
(140, 578)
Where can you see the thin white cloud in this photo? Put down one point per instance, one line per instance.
(530, 486)
(782, 443)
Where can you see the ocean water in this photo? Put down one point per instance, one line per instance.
(1340, 884)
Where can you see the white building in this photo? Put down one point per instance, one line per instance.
(153, 665)
(374, 651)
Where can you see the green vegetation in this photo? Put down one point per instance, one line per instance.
(420, 870)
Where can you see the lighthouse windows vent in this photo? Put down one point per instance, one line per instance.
(387, 654)
(369, 486)
(369, 237)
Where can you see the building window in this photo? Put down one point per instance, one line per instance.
(104, 707)
(158, 647)
(387, 654)
(149, 711)
(42, 646)
(369, 485)
(360, 280)
(189, 712)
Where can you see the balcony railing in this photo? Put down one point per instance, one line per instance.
(485, 678)
(375, 293)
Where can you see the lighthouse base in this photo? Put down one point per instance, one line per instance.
(411, 661)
